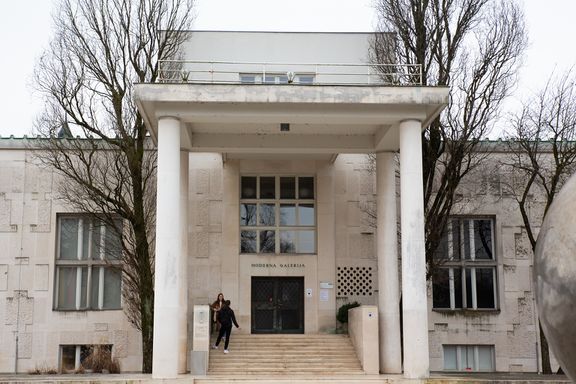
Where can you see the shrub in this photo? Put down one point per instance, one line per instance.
(43, 369)
(100, 359)
(342, 315)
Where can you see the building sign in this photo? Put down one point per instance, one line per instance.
(278, 265)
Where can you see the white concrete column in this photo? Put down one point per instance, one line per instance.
(168, 273)
(387, 247)
(414, 300)
(183, 319)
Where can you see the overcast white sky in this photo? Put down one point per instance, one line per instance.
(25, 28)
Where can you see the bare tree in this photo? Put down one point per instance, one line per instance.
(473, 46)
(542, 147)
(100, 49)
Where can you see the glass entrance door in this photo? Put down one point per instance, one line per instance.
(277, 305)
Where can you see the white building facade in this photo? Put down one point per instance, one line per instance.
(266, 194)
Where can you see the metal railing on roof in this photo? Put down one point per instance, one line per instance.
(226, 72)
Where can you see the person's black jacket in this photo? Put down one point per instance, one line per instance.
(226, 317)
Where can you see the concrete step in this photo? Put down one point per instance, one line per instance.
(284, 355)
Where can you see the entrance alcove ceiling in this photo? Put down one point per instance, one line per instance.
(244, 120)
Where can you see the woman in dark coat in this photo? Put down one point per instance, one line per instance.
(226, 318)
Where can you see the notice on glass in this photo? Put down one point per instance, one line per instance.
(324, 294)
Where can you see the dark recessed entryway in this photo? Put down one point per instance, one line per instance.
(277, 304)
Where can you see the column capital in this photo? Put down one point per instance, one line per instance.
(168, 117)
(411, 120)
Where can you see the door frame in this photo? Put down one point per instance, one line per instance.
(301, 305)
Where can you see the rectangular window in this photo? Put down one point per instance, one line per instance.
(470, 358)
(88, 274)
(466, 276)
(73, 358)
(276, 78)
(277, 214)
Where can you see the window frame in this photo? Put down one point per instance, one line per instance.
(476, 357)
(102, 263)
(81, 352)
(464, 265)
(278, 202)
(278, 77)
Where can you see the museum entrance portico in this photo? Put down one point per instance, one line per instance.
(255, 127)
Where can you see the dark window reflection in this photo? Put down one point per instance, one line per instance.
(469, 303)
(248, 187)
(247, 214)
(483, 239)
(267, 214)
(287, 187)
(267, 188)
(248, 241)
(305, 187)
(267, 242)
(485, 288)
(441, 288)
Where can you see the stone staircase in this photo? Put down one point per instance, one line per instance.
(285, 355)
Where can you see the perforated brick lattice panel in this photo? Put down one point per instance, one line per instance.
(355, 281)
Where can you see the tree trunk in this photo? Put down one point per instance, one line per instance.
(147, 318)
(544, 352)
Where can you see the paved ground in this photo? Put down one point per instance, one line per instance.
(137, 378)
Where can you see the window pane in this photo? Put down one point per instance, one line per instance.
(287, 187)
(84, 288)
(483, 239)
(269, 79)
(267, 242)
(248, 242)
(68, 239)
(305, 79)
(466, 239)
(468, 288)
(66, 287)
(287, 242)
(114, 241)
(456, 239)
(247, 214)
(485, 288)
(248, 187)
(248, 79)
(306, 242)
(466, 358)
(85, 238)
(305, 187)
(287, 214)
(267, 214)
(282, 79)
(68, 362)
(97, 229)
(485, 358)
(457, 288)
(450, 362)
(112, 288)
(441, 288)
(306, 214)
(442, 250)
(95, 288)
(267, 188)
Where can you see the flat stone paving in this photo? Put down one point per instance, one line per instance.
(138, 378)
